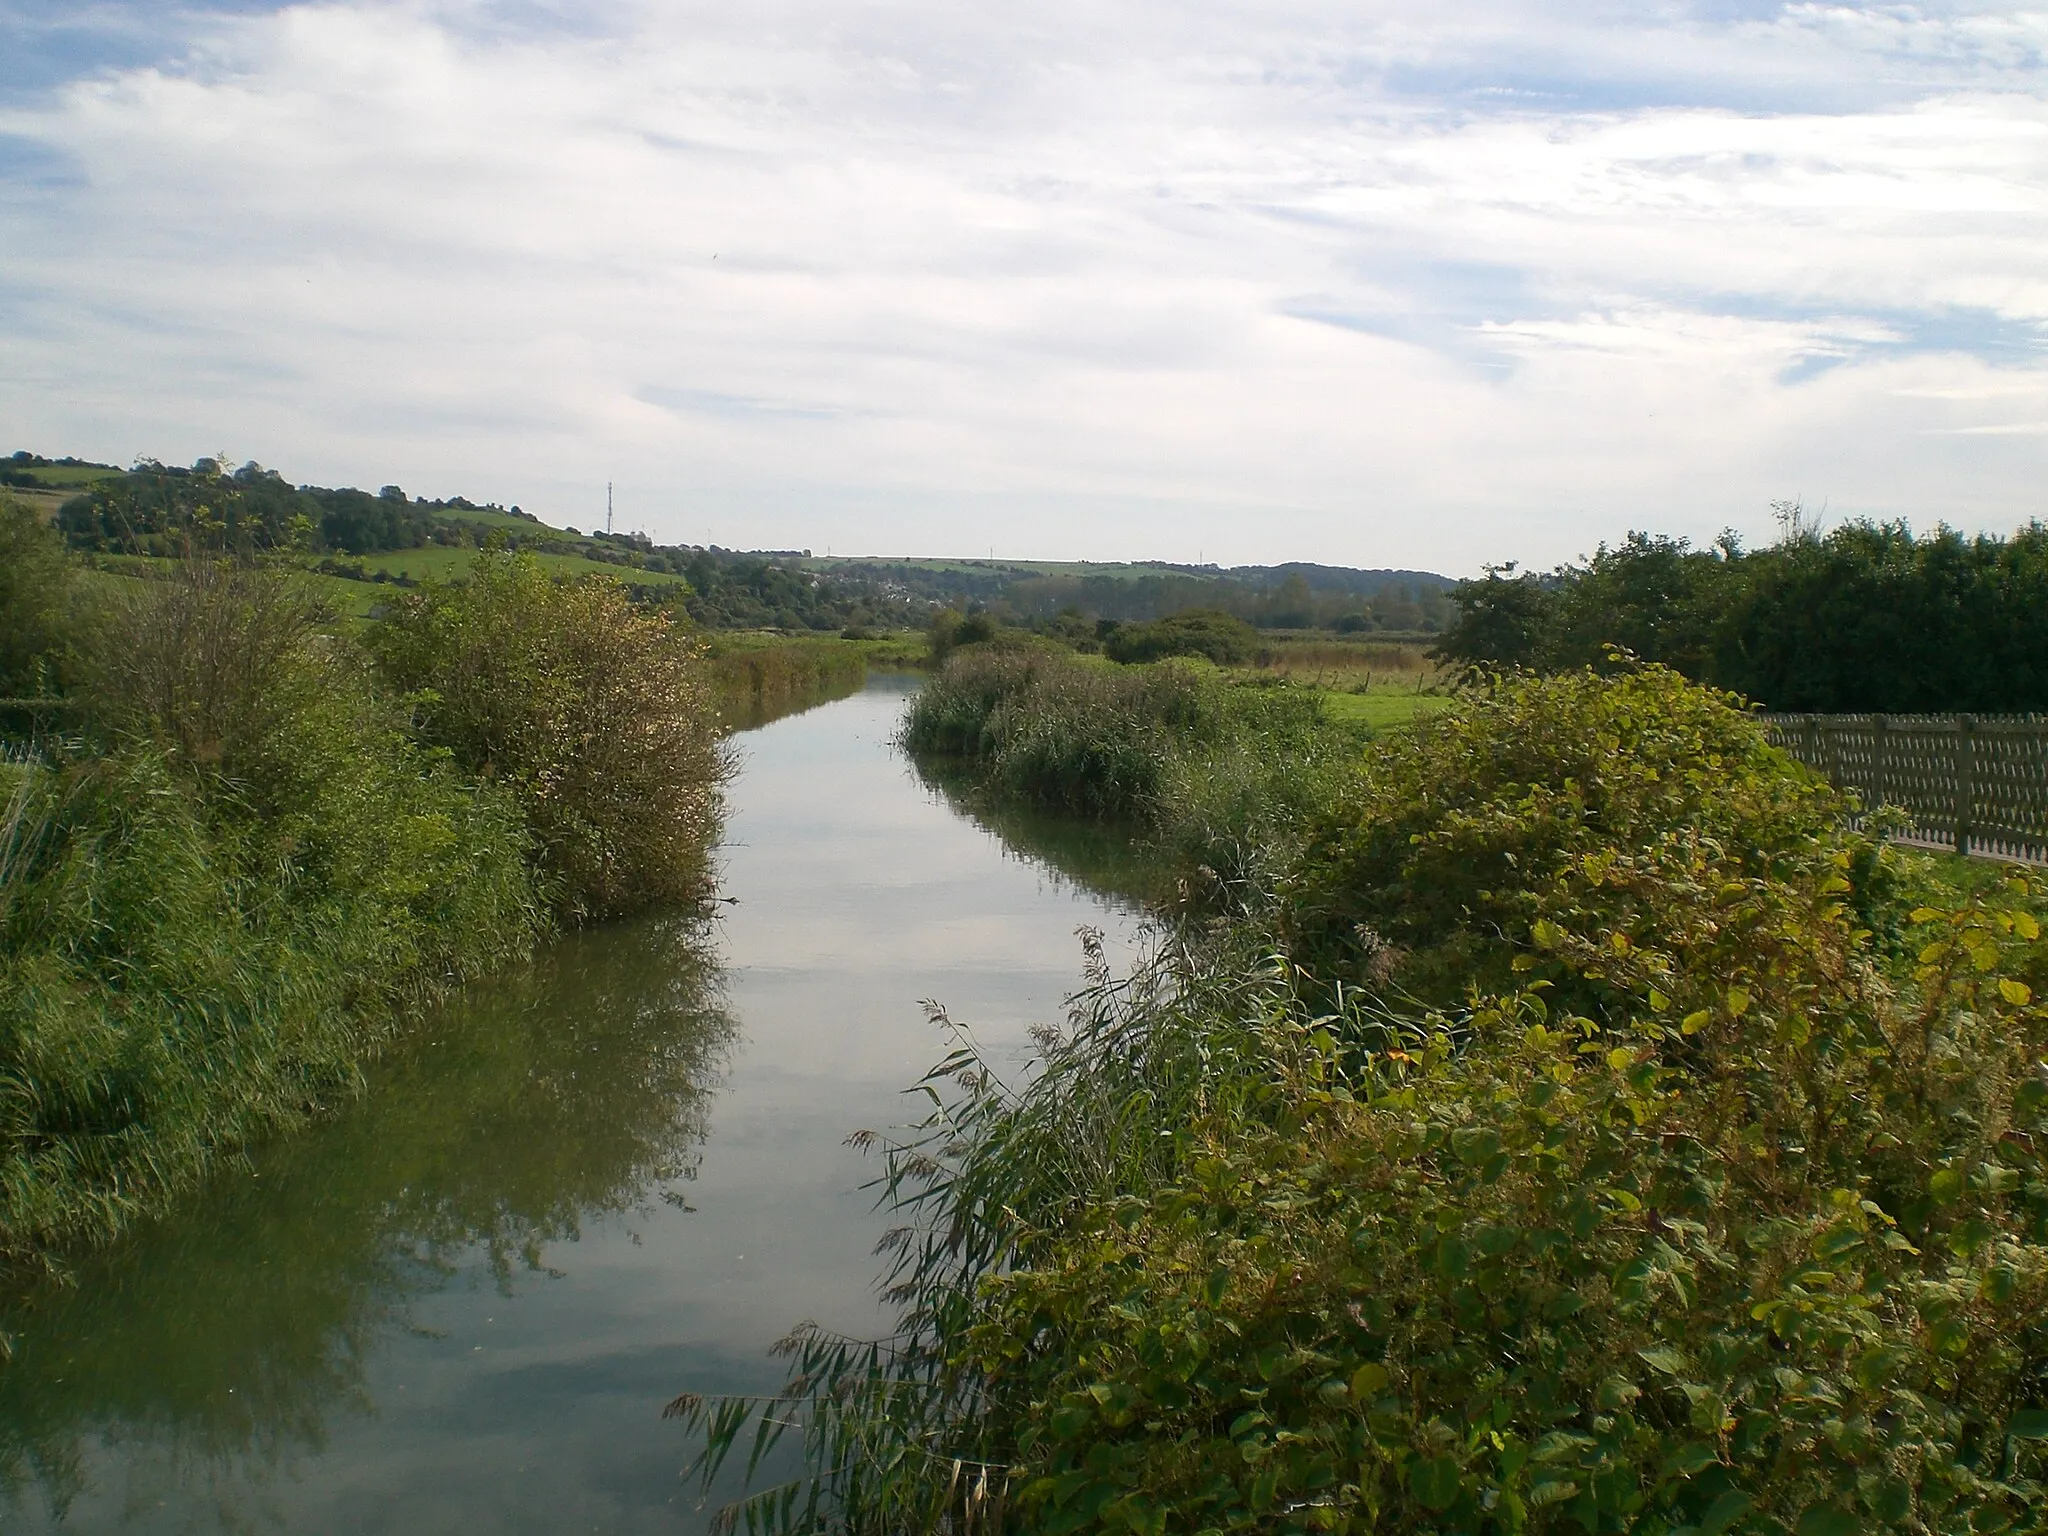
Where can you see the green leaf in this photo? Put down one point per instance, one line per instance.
(1069, 1421)
(2028, 1424)
(1946, 1184)
(1546, 934)
(1725, 1511)
(1665, 1358)
(2018, 993)
(2024, 925)
(1827, 1520)
(1434, 1482)
(1894, 1501)
(1692, 1458)
(1368, 1381)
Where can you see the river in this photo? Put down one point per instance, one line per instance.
(597, 1180)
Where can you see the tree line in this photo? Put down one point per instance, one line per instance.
(167, 511)
(1869, 617)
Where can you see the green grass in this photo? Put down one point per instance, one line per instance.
(1379, 708)
(440, 563)
(68, 477)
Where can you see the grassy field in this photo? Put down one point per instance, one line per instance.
(1379, 706)
(439, 562)
(69, 477)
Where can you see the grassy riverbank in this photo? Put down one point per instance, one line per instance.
(758, 675)
(238, 837)
(1562, 1122)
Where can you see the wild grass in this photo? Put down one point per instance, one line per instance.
(1326, 662)
(176, 982)
(757, 678)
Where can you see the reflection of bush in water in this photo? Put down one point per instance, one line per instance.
(1096, 855)
(558, 1091)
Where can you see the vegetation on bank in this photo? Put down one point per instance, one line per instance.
(1867, 618)
(241, 837)
(755, 676)
(1571, 1125)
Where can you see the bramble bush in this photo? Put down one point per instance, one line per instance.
(1712, 1208)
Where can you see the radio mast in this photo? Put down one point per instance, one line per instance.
(607, 508)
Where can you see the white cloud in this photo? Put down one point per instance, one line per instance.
(1300, 280)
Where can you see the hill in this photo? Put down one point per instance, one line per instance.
(362, 540)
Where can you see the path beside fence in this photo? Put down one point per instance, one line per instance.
(1974, 783)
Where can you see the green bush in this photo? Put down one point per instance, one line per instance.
(1219, 637)
(596, 715)
(208, 926)
(1066, 735)
(1461, 833)
(1716, 1215)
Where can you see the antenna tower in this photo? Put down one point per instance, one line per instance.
(607, 508)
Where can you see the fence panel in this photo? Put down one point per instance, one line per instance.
(1974, 783)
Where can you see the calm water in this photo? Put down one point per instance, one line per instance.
(604, 1178)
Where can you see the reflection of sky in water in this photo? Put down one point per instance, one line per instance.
(464, 1402)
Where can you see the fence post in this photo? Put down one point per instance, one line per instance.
(1966, 779)
(1881, 753)
(1813, 743)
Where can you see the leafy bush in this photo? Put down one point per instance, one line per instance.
(1220, 637)
(1103, 742)
(205, 929)
(1462, 833)
(596, 715)
(1716, 1215)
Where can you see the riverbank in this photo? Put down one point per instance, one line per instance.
(1556, 1119)
(462, 1298)
(759, 675)
(255, 839)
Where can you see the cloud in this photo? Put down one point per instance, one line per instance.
(1291, 280)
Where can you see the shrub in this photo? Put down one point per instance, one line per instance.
(595, 714)
(1220, 637)
(1462, 833)
(1069, 736)
(205, 929)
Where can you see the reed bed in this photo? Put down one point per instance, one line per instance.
(754, 683)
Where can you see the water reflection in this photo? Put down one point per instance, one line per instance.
(1091, 855)
(235, 1333)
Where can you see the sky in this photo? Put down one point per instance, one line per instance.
(1230, 280)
